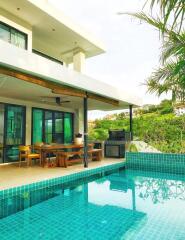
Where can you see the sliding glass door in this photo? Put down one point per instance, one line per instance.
(13, 131)
(58, 129)
(37, 125)
(68, 128)
(51, 126)
(48, 127)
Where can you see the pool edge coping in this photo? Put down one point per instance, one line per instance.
(61, 179)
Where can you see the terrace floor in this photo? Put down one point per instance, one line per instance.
(13, 176)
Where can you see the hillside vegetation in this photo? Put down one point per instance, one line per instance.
(157, 126)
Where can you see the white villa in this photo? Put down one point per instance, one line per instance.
(41, 99)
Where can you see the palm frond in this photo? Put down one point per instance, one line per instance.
(173, 42)
(170, 76)
(174, 46)
(168, 9)
(167, 78)
(156, 22)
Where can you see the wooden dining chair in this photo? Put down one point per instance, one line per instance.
(25, 153)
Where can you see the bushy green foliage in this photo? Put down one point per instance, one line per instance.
(165, 107)
(166, 132)
(98, 134)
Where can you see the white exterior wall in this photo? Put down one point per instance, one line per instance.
(17, 23)
(29, 106)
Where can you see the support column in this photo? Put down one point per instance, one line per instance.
(28, 125)
(78, 60)
(85, 132)
(131, 122)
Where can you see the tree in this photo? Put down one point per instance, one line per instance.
(170, 76)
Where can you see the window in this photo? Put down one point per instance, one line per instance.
(4, 33)
(14, 131)
(13, 36)
(51, 126)
(47, 56)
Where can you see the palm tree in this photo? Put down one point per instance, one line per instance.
(170, 76)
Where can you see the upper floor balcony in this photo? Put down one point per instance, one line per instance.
(19, 62)
(47, 30)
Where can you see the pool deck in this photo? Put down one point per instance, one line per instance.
(12, 176)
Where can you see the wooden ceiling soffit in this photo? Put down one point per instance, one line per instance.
(55, 88)
(103, 99)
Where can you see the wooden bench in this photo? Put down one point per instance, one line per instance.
(96, 154)
(66, 158)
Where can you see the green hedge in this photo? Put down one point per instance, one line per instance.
(165, 132)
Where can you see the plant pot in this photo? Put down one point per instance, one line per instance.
(78, 141)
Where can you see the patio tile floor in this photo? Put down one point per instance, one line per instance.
(13, 176)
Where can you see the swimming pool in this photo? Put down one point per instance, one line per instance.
(124, 205)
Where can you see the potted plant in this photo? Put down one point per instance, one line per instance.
(78, 138)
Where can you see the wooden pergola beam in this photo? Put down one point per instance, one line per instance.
(69, 92)
(103, 99)
(56, 88)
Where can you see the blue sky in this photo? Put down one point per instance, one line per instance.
(133, 49)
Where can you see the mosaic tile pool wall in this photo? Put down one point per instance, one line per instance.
(159, 162)
(62, 180)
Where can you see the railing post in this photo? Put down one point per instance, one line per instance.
(131, 122)
(85, 132)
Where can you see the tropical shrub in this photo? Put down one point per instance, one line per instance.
(166, 132)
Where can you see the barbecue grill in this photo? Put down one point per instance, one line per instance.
(115, 144)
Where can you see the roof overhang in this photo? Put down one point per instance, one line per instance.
(52, 30)
(60, 80)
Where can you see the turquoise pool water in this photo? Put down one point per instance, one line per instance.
(125, 205)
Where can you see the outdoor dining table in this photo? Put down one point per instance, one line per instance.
(49, 149)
